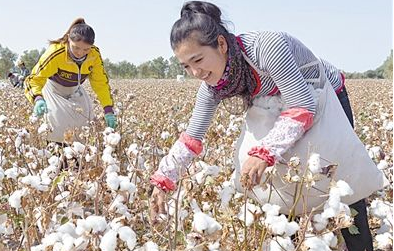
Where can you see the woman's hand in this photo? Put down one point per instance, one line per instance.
(252, 171)
(157, 204)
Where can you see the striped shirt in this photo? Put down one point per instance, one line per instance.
(281, 57)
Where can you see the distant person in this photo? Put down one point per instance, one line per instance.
(16, 79)
(292, 98)
(23, 71)
(55, 84)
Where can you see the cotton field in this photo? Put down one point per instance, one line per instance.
(93, 194)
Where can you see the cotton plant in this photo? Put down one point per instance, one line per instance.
(205, 170)
(277, 224)
(109, 240)
(248, 213)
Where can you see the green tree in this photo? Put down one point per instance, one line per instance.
(30, 58)
(388, 67)
(127, 70)
(7, 61)
(174, 68)
(159, 67)
(144, 70)
(110, 68)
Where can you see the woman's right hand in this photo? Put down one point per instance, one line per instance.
(157, 204)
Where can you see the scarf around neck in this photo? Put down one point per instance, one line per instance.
(238, 78)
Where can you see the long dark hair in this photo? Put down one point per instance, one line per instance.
(200, 19)
(78, 31)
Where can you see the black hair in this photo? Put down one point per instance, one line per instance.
(78, 31)
(200, 19)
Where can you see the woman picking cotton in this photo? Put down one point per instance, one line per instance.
(55, 84)
(292, 103)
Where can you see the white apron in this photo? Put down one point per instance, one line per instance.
(68, 108)
(331, 136)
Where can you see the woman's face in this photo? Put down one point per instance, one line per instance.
(203, 62)
(79, 49)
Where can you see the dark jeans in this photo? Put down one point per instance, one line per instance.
(362, 241)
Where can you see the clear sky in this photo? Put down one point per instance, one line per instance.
(354, 35)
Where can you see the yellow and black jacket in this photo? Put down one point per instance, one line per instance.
(57, 65)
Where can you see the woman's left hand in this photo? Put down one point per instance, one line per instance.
(110, 120)
(252, 171)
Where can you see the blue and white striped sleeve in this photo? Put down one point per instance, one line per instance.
(282, 67)
(203, 112)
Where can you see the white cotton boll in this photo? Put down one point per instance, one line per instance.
(82, 227)
(107, 131)
(54, 161)
(127, 235)
(78, 147)
(319, 222)
(206, 206)
(280, 244)
(32, 119)
(314, 163)
(200, 177)
(92, 189)
(380, 209)
(126, 185)
(375, 152)
(204, 223)
(37, 248)
(31, 180)
(81, 243)
(11, 173)
(3, 119)
(96, 223)
(62, 196)
(112, 168)
(291, 228)
(68, 242)
(388, 125)
(214, 246)
(58, 246)
(226, 194)
(251, 209)
(18, 142)
(108, 159)
(212, 171)
(151, 246)
(343, 188)
(330, 239)
(15, 199)
(68, 152)
(113, 180)
(165, 135)
(384, 240)
(108, 242)
(316, 244)
(112, 139)
(271, 209)
(384, 227)
(2, 174)
(51, 239)
(133, 149)
(67, 228)
(44, 127)
(383, 165)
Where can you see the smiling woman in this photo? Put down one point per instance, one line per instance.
(55, 85)
(294, 100)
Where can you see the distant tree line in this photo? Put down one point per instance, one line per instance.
(385, 71)
(155, 68)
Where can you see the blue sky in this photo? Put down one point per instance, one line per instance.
(354, 35)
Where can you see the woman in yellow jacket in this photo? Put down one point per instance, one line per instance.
(55, 84)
